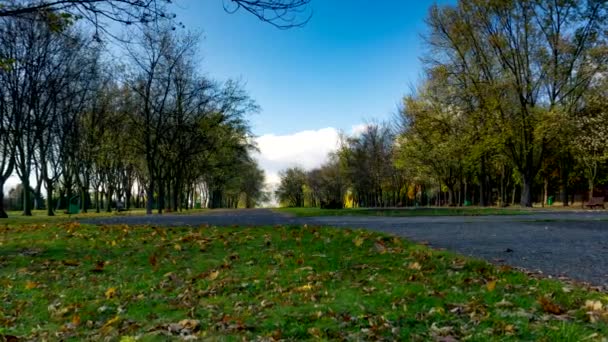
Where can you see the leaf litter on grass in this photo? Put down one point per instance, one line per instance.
(122, 282)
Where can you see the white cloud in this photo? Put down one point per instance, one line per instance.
(11, 182)
(307, 149)
(358, 129)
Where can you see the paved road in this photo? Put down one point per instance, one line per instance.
(574, 244)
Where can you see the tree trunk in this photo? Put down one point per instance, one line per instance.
(150, 198)
(97, 206)
(161, 198)
(38, 195)
(591, 183)
(450, 196)
(513, 194)
(564, 180)
(27, 197)
(49, 198)
(128, 199)
(564, 195)
(109, 200)
(545, 191)
(175, 194)
(482, 184)
(84, 203)
(3, 213)
(526, 192)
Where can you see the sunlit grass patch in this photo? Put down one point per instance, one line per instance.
(73, 281)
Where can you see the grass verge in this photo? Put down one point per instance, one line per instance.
(402, 212)
(80, 282)
(40, 216)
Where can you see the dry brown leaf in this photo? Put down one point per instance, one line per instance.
(213, 275)
(99, 265)
(190, 324)
(379, 246)
(593, 305)
(550, 307)
(152, 260)
(415, 266)
(70, 262)
(31, 285)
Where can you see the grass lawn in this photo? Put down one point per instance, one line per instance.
(40, 216)
(308, 212)
(78, 282)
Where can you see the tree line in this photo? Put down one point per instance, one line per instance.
(151, 131)
(511, 108)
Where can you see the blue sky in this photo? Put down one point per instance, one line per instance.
(352, 62)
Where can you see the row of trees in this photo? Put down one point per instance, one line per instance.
(512, 105)
(359, 173)
(150, 129)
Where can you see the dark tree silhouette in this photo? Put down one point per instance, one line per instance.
(280, 13)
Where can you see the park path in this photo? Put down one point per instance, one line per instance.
(569, 243)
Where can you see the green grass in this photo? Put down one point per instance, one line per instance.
(309, 212)
(80, 282)
(40, 216)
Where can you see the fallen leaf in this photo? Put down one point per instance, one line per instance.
(177, 247)
(152, 260)
(305, 268)
(111, 322)
(213, 275)
(358, 241)
(9, 338)
(491, 285)
(415, 266)
(99, 265)
(190, 324)
(71, 262)
(504, 304)
(31, 285)
(304, 288)
(594, 305)
(550, 307)
(76, 320)
(380, 248)
(111, 292)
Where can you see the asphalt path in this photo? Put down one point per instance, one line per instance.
(573, 244)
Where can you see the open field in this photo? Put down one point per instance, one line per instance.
(404, 212)
(71, 281)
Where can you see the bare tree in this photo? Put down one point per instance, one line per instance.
(280, 13)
